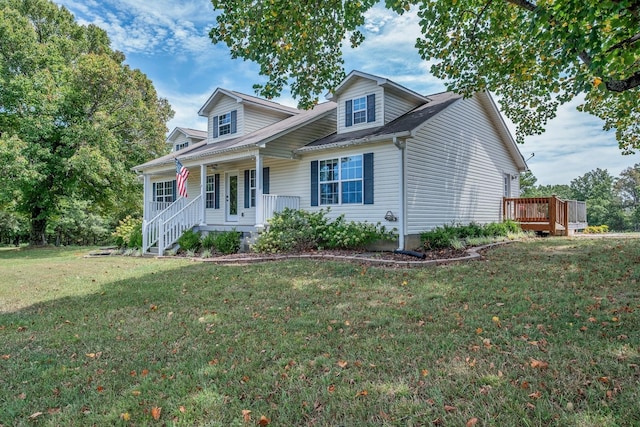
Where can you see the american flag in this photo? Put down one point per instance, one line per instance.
(182, 174)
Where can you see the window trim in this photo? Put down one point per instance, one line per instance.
(210, 192)
(340, 180)
(168, 191)
(226, 116)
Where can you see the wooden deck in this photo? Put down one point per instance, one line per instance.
(546, 214)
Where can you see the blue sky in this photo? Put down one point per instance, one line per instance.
(168, 41)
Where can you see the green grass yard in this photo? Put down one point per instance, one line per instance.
(541, 332)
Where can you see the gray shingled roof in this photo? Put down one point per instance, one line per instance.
(405, 123)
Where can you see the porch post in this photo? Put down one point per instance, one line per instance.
(203, 190)
(259, 210)
(146, 197)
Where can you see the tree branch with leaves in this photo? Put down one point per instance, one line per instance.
(535, 56)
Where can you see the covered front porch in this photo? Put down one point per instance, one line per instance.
(222, 196)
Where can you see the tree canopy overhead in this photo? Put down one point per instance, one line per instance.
(534, 54)
(73, 117)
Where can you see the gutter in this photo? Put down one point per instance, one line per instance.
(358, 141)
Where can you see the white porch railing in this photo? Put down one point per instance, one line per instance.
(272, 203)
(154, 208)
(166, 227)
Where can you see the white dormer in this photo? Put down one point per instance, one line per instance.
(181, 138)
(232, 114)
(367, 101)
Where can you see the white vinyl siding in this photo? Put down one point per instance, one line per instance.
(360, 88)
(395, 106)
(224, 106)
(289, 178)
(455, 169)
(255, 118)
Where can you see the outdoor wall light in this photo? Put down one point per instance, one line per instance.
(389, 216)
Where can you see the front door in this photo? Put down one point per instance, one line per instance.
(231, 199)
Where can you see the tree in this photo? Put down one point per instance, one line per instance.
(74, 118)
(535, 55)
(627, 187)
(603, 207)
(527, 184)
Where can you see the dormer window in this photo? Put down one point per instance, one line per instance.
(225, 124)
(182, 145)
(360, 110)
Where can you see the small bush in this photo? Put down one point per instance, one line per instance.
(597, 229)
(128, 233)
(227, 242)
(189, 241)
(209, 241)
(299, 231)
(449, 236)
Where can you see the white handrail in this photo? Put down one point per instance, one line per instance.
(172, 228)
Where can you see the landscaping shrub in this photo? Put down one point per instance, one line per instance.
(597, 229)
(208, 242)
(128, 233)
(299, 231)
(227, 242)
(449, 236)
(189, 241)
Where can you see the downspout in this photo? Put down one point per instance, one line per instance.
(401, 145)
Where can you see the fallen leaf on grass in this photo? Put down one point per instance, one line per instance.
(263, 421)
(496, 320)
(155, 412)
(331, 388)
(424, 372)
(539, 364)
(246, 415)
(473, 421)
(182, 409)
(342, 363)
(536, 395)
(362, 393)
(125, 416)
(450, 408)
(35, 415)
(6, 356)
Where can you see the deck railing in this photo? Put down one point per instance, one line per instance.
(154, 208)
(272, 203)
(538, 213)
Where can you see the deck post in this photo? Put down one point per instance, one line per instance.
(552, 214)
(566, 218)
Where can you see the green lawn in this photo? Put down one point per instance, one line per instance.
(542, 332)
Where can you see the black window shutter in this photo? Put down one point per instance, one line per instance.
(265, 180)
(234, 121)
(348, 113)
(174, 190)
(247, 195)
(155, 195)
(314, 183)
(368, 178)
(216, 191)
(371, 108)
(215, 126)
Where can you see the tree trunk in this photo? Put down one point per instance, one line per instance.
(38, 234)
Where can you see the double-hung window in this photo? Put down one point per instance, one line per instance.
(340, 180)
(210, 192)
(252, 188)
(164, 191)
(224, 124)
(360, 110)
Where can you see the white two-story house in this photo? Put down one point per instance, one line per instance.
(375, 151)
